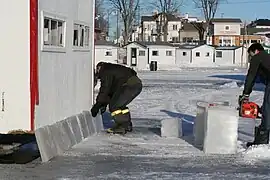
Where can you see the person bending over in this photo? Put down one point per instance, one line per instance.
(119, 86)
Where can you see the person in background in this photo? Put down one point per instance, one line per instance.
(119, 86)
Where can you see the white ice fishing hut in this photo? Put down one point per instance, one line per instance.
(45, 61)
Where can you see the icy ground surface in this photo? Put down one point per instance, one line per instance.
(144, 154)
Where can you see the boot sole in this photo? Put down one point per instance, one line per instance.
(114, 133)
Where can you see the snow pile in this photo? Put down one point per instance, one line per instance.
(260, 152)
(242, 87)
(200, 65)
(229, 85)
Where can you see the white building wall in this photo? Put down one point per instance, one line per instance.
(15, 65)
(226, 59)
(234, 29)
(142, 61)
(173, 32)
(232, 58)
(162, 59)
(258, 27)
(100, 54)
(65, 75)
(183, 56)
(147, 28)
(205, 57)
(241, 59)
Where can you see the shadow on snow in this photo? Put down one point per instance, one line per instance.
(145, 126)
(259, 86)
(187, 126)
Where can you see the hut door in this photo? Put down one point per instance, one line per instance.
(133, 56)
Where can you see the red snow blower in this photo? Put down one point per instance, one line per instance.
(249, 110)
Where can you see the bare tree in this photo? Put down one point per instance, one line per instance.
(200, 26)
(101, 27)
(99, 9)
(209, 9)
(166, 9)
(127, 11)
(168, 6)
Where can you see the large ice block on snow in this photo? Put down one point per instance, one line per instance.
(54, 139)
(199, 123)
(171, 127)
(201, 119)
(221, 130)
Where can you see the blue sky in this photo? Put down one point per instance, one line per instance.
(244, 9)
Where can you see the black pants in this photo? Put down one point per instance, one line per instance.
(262, 132)
(122, 97)
(266, 108)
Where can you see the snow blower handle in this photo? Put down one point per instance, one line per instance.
(243, 98)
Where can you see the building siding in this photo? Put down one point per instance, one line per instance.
(162, 59)
(100, 54)
(15, 66)
(65, 78)
(203, 59)
(142, 61)
(182, 59)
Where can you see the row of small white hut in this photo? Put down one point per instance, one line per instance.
(139, 55)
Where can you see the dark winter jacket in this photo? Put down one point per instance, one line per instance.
(259, 68)
(112, 77)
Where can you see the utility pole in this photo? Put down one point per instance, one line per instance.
(108, 24)
(117, 26)
(139, 22)
(139, 14)
(246, 35)
(243, 40)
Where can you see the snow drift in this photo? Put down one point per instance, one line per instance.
(229, 85)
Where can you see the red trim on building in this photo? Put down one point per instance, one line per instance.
(34, 99)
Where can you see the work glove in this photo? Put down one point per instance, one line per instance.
(242, 98)
(95, 110)
(103, 109)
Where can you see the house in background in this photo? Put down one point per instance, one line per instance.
(199, 55)
(188, 18)
(231, 56)
(180, 29)
(149, 28)
(252, 34)
(248, 39)
(140, 54)
(101, 27)
(260, 24)
(225, 32)
(106, 51)
(189, 34)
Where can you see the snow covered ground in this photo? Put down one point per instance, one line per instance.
(144, 154)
